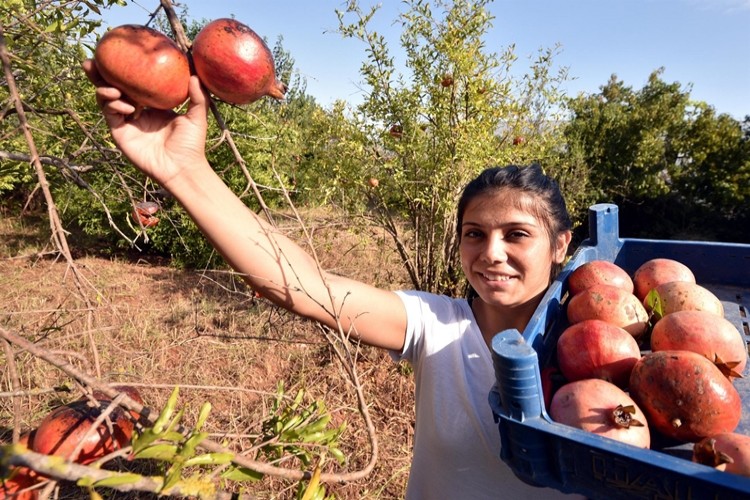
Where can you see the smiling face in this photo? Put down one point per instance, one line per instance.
(506, 253)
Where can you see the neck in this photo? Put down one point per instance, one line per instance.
(493, 320)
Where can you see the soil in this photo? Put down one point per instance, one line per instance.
(133, 319)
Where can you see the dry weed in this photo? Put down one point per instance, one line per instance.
(155, 327)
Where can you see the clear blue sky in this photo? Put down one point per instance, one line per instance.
(705, 43)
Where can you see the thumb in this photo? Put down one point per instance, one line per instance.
(198, 104)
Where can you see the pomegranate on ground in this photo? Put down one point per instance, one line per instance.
(61, 431)
(145, 65)
(600, 407)
(684, 395)
(234, 63)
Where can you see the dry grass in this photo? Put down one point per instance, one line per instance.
(154, 327)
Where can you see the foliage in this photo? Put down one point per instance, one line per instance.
(669, 160)
(456, 109)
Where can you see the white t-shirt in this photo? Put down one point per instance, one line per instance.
(456, 440)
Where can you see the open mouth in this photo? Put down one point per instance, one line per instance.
(496, 277)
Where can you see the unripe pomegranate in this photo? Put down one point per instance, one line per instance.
(145, 65)
(234, 63)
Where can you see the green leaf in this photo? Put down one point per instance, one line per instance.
(119, 480)
(242, 474)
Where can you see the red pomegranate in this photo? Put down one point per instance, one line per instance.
(234, 63)
(703, 332)
(728, 452)
(602, 408)
(145, 65)
(681, 296)
(611, 304)
(61, 431)
(656, 271)
(596, 349)
(596, 272)
(684, 395)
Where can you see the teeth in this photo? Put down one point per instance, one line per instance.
(489, 277)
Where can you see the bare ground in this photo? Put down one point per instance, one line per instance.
(141, 322)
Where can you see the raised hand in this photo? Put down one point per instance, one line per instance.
(162, 144)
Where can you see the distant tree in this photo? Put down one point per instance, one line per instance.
(673, 161)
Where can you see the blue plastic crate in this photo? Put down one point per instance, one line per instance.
(545, 453)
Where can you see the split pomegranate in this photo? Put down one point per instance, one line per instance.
(145, 65)
(681, 296)
(234, 63)
(599, 272)
(728, 452)
(602, 408)
(596, 349)
(611, 304)
(654, 272)
(684, 395)
(145, 213)
(703, 332)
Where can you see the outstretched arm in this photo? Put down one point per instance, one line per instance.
(170, 148)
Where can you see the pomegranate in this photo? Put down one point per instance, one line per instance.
(728, 451)
(17, 485)
(654, 272)
(596, 349)
(144, 213)
(681, 296)
(611, 304)
(63, 428)
(144, 64)
(597, 406)
(234, 63)
(684, 395)
(599, 271)
(714, 337)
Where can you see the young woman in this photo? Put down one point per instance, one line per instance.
(514, 233)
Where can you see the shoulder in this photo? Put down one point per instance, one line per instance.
(431, 304)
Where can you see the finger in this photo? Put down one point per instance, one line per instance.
(89, 67)
(198, 104)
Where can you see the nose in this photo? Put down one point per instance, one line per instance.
(496, 249)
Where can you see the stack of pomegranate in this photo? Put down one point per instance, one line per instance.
(230, 59)
(651, 353)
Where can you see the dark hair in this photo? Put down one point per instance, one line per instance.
(548, 206)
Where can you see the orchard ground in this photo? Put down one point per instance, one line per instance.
(152, 326)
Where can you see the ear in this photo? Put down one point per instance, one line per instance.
(561, 247)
